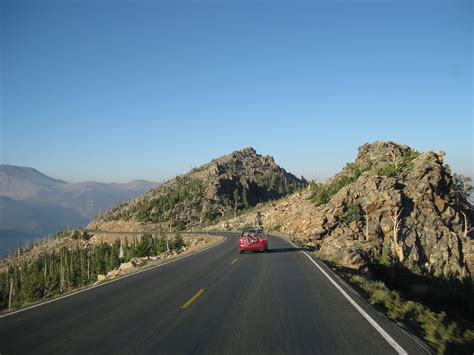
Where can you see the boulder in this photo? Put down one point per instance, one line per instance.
(113, 273)
(126, 266)
(137, 262)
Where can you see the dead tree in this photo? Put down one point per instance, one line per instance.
(395, 159)
(366, 225)
(61, 272)
(10, 294)
(465, 224)
(121, 251)
(396, 226)
(221, 211)
(203, 213)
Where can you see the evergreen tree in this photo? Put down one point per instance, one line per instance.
(145, 246)
(178, 241)
(114, 260)
(126, 251)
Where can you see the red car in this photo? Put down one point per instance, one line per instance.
(253, 239)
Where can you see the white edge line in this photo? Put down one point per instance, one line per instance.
(377, 327)
(108, 282)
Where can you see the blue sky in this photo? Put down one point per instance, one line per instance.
(115, 90)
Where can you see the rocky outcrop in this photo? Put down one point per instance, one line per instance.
(216, 190)
(397, 207)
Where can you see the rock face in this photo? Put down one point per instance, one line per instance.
(430, 231)
(397, 206)
(216, 190)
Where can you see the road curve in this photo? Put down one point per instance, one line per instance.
(214, 302)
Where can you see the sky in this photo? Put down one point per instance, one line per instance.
(122, 90)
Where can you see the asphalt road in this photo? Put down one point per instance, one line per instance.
(214, 302)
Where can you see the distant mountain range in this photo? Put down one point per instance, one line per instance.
(34, 205)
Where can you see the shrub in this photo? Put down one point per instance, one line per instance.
(76, 234)
(322, 193)
(442, 333)
(178, 241)
(388, 170)
(354, 213)
(409, 157)
(85, 236)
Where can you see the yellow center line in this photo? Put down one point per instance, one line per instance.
(234, 261)
(192, 299)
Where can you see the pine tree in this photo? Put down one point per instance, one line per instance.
(178, 241)
(145, 246)
(114, 256)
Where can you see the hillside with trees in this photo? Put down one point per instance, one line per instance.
(215, 191)
(71, 260)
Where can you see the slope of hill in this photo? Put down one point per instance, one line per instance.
(33, 204)
(216, 190)
(392, 204)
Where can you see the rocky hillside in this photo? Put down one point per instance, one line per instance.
(393, 204)
(217, 190)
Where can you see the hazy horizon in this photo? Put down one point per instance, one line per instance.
(316, 177)
(118, 91)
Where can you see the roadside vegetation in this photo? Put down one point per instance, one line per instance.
(58, 271)
(446, 334)
(438, 310)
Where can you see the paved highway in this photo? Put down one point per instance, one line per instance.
(214, 302)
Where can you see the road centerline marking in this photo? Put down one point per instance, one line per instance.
(234, 261)
(89, 288)
(192, 299)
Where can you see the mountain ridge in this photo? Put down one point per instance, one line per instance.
(33, 204)
(14, 175)
(214, 190)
